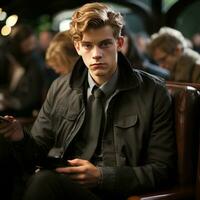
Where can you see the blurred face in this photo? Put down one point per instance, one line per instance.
(166, 60)
(99, 50)
(45, 38)
(29, 44)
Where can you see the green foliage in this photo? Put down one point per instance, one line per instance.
(168, 3)
(44, 23)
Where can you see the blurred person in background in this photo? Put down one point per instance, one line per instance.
(23, 92)
(141, 40)
(170, 50)
(4, 70)
(61, 54)
(44, 38)
(196, 42)
(138, 59)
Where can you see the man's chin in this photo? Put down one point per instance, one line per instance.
(99, 73)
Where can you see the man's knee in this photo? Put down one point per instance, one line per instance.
(5, 149)
(43, 177)
(42, 185)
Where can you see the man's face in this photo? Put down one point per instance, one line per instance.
(166, 60)
(98, 49)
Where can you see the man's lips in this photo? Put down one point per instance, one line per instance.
(97, 64)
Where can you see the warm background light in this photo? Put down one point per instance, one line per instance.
(6, 30)
(11, 20)
(3, 15)
(64, 25)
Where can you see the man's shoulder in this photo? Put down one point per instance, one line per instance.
(146, 78)
(132, 77)
(60, 85)
(151, 85)
(61, 80)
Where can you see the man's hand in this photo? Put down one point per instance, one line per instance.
(82, 171)
(11, 129)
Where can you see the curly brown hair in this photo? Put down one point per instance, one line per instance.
(93, 16)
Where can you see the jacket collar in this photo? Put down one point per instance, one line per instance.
(128, 77)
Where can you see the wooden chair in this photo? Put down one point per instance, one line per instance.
(198, 177)
(195, 85)
(186, 103)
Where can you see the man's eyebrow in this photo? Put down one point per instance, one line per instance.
(86, 42)
(100, 42)
(106, 40)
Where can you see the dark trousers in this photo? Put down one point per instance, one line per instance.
(44, 185)
(49, 185)
(9, 170)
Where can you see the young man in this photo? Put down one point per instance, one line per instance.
(170, 50)
(132, 149)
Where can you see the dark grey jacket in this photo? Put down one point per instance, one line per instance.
(140, 120)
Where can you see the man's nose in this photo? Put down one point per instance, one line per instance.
(97, 53)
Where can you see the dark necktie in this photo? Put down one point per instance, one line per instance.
(95, 119)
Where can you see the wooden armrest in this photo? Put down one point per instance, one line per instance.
(178, 194)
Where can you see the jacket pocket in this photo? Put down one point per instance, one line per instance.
(71, 116)
(126, 122)
(126, 140)
(64, 124)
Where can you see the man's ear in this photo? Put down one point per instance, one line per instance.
(120, 42)
(178, 50)
(77, 47)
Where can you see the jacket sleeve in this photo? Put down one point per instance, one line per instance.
(158, 167)
(36, 144)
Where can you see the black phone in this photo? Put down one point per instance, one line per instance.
(55, 159)
(3, 120)
(54, 162)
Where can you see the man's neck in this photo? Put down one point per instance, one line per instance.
(100, 80)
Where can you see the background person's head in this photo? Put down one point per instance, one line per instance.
(61, 54)
(44, 39)
(166, 47)
(130, 50)
(23, 39)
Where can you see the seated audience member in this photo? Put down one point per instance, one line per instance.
(169, 49)
(196, 42)
(4, 70)
(109, 126)
(44, 39)
(141, 40)
(61, 54)
(24, 89)
(138, 60)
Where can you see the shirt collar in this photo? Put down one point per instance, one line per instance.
(108, 87)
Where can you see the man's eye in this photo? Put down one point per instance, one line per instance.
(87, 46)
(105, 44)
